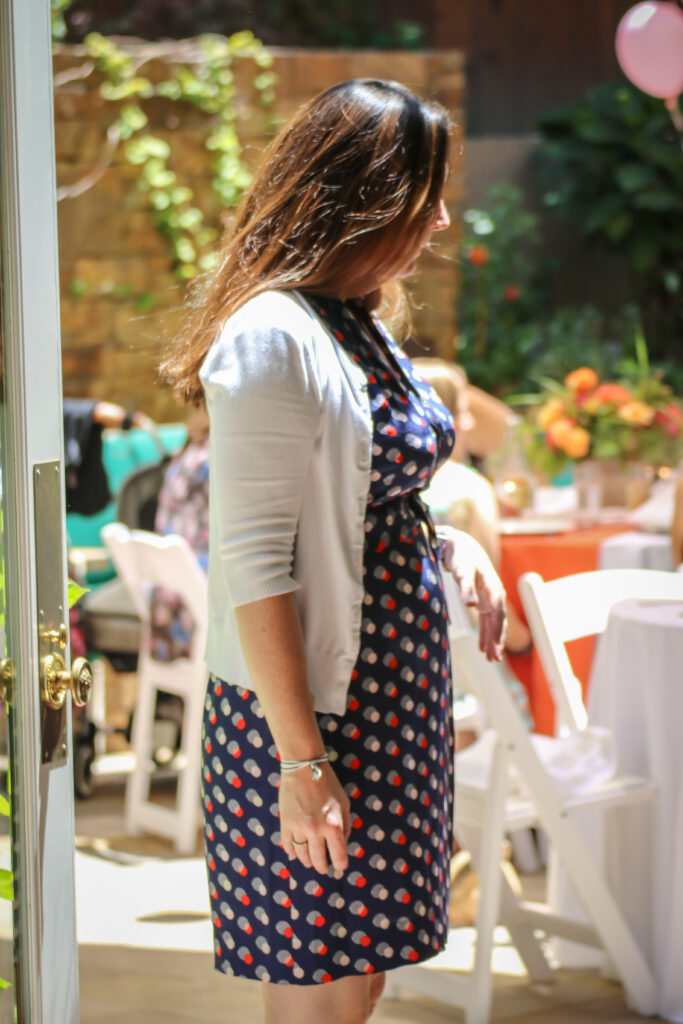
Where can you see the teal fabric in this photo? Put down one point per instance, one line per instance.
(122, 452)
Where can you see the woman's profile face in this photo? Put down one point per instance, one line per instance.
(408, 261)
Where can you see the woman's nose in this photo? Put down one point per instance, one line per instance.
(442, 219)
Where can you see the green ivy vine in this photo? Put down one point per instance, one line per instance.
(209, 84)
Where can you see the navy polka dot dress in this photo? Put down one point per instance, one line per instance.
(274, 919)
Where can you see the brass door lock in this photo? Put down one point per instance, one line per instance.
(56, 681)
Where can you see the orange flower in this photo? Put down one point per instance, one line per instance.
(478, 255)
(549, 412)
(611, 394)
(583, 379)
(577, 443)
(640, 414)
(558, 431)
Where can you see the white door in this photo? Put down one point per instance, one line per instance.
(38, 952)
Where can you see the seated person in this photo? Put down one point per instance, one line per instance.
(459, 494)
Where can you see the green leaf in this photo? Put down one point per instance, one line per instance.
(144, 302)
(604, 211)
(75, 592)
(619, 227)
(643, 253)
(6, 884)
(657, 199)
(633, 177)
(5, 807)
(78, 287)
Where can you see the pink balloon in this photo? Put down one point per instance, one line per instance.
(649, 47)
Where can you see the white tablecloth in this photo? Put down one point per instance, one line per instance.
(636, 550)
(636, 690)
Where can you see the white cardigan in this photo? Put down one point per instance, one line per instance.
(290, 456)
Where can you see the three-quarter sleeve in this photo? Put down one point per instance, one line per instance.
(264, 400)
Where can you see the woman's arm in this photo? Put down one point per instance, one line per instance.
(313, 810)
(480, 586)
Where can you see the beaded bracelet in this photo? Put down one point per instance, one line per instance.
(314, 763)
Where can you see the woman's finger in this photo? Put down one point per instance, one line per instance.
(317, 853)
(336, 844)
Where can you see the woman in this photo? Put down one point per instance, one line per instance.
(327, 731)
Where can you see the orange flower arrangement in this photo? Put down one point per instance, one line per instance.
(587, 418)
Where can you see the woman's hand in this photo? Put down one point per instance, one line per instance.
(315, 813)
(480, 587)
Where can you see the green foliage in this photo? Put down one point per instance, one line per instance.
(613, 162)
(58, 24)
(122, 291)
(75, 592)
(208, 83)
(502, 292)
(352, 24)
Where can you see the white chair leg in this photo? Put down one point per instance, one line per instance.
(490, 883)
(188, 804)
(523, 935)
(138, 783)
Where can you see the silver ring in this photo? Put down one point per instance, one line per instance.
(294, 843)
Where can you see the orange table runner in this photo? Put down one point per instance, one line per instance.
(551, 556)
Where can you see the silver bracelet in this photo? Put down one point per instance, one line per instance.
(314, 763)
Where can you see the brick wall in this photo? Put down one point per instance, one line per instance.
(107, 238)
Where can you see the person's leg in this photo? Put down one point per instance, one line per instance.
(346, 1001)
(377, 982)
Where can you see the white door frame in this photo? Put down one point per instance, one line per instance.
(43, 811)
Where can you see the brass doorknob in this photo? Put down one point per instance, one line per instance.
(57, 681)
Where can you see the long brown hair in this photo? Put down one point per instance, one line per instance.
(356, 174)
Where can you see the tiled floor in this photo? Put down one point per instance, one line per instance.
(145, 937)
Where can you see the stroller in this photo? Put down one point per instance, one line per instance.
(107, 626)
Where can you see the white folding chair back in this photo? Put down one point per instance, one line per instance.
(577, 606)
(145, 561)
(515, 791)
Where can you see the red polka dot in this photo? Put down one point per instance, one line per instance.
(405, 898)
(354, 704)
(237, 752)
(322, 950)
(366, 940)
(398, 780)
(369, 969)
(209, 806)
(244, 899)
(413, 955)
(319, 921)
(217, 922)
(326, 978)
(241, 841)
(361, 881)
(284, 872)
(219, 689)
(248, 959)
(391, 604)
(207, 747)
(240, 723)
(212, 862)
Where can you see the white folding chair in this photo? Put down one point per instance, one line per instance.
(577, 606)
(517, 791)
(144, 561)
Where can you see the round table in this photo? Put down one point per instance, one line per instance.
(636, 690)
(637, 550)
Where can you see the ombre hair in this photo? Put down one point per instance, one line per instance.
(355, 177)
